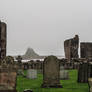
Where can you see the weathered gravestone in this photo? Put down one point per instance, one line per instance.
(83, 71)
(90, 84)
(51, 73)
(90, 69)
(31, 73)
(19, 60)
(8, 75)
(64, 75)
(19, 63)
(7, 79)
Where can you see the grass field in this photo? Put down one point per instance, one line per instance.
(70, 85)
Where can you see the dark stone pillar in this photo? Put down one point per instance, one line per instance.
(3, 38)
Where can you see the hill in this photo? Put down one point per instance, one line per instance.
(31, 54)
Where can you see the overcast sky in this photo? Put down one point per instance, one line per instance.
(44, 24)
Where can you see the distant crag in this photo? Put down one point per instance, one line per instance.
(30, 54)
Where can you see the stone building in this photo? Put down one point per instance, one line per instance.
(71, 48)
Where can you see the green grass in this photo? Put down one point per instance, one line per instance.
(70, 85)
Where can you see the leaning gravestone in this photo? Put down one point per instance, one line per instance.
(31, 73)
(64, 75)
(51, 73)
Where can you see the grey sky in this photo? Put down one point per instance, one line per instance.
(45, 24)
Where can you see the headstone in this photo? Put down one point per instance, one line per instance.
(83, 72)
(51, 73)
(31, 73)
(90, 69)
(64, 75)
(90, 84)
(19, 60)
(8, 77)
(9, 60)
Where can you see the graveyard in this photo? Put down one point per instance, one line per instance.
(73, 73)
(70, 85)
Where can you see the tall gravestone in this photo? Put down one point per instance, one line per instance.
(90, 68)
(3, 38)
(83, 71)
(51, 73)
(19, 60)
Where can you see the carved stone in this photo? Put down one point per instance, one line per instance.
(51, 72)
